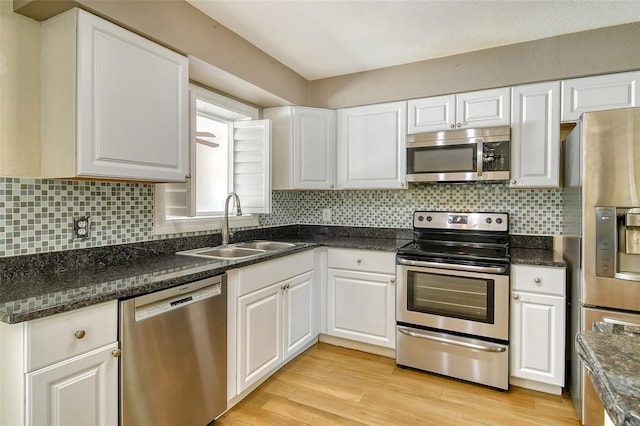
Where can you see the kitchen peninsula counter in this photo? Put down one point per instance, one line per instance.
(612, 359)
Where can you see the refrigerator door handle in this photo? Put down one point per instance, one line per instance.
(617, 321)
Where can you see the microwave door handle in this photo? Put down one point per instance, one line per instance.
(479, 159)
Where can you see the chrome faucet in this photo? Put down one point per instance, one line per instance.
(225, 224)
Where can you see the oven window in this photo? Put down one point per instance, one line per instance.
(458, 158)
(451, 296)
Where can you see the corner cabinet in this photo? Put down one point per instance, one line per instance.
(304, 147)
(371, 146)
(598, 93)
(361, 295)
(484, 108)
(114, 104)
(272, 318)
(535, 136)
(61, 369)
(538, 311)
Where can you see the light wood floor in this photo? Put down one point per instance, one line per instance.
(330, 385)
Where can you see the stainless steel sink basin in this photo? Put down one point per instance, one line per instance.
(239, 250)
(265, 245)
(229, 252)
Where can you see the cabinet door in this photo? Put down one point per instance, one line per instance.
(259, 334)
(535, 136)
(485, 108)
(299, 312)
(79, 391)
(361, 307)
(132, 107)
(314, 152)
(537, 337)
(371, 146)
(432, 114)
(598, 93)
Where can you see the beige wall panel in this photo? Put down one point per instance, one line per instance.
(600, 51)
(19, 94)
(183, 28)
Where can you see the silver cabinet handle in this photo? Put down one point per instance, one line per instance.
(453, 126)
(116, 353)
(516, 297)
(487, 347)
(359, 261)
(80, 334)
(459, 125)
(513, 182)
(393, 281)
(537, 280)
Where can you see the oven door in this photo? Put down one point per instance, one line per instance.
(472, 303)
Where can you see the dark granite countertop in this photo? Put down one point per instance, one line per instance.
(534, 250)
(538, 257)
(38, 286)
(612, 359)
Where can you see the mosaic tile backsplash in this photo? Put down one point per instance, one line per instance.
(36, 214)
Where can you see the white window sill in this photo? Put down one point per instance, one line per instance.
(163, 225)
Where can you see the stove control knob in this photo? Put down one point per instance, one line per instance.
(429, 218)
(498, 221)
(488, 220)
(420, 218)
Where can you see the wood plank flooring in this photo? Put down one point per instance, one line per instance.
(330, 385)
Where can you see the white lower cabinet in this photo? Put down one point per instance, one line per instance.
(361, 296)
(538, 310)
(61, 370)
(79, 391)
(273, 316)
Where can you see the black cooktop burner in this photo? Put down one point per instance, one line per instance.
(438, 237)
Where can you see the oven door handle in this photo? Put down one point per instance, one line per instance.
(457, 267)
(437, 337)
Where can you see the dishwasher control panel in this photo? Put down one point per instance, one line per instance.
(157, 307)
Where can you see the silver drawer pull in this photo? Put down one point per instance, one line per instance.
(617, 321)
(437, 338)
(80, 334)
(116, 353)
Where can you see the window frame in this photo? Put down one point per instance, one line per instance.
(178, 225)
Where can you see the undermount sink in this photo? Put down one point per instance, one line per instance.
(265, 245)
(239, 250)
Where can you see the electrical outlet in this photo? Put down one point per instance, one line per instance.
(81, 227)
(326, 215)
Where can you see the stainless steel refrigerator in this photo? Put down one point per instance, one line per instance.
(601, 230)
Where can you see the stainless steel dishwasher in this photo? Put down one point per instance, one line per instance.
(173, 368)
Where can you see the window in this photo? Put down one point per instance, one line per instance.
(229, 151)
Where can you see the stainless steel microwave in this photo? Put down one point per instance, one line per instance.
(459, 155)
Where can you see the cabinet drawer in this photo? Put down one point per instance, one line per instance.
(264, 274)
(538, 279)
(363, 260)
(52, 339)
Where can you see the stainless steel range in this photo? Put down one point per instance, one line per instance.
(453, 296)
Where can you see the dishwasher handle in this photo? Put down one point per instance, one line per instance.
(163, 301)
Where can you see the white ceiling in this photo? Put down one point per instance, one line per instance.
(326, 38)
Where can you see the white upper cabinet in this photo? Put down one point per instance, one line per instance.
(535, 136)
(485, 108)
(600, 92)
(114, 104)
(371, 146)
(304, 147)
